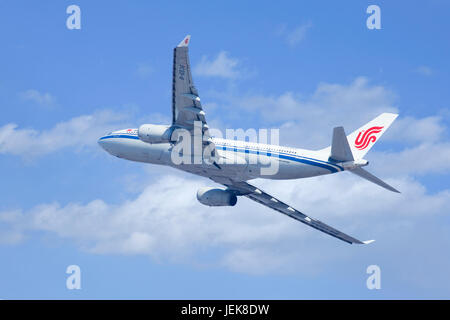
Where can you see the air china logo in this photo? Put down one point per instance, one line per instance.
(364, 138)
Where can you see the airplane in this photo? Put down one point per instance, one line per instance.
(233, 163)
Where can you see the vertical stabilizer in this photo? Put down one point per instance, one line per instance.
(362, 140)
(349, 150)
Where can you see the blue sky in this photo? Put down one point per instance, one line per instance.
(137, 231)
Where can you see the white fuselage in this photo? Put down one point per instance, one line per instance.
(246, 158)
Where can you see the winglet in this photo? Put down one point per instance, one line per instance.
(368, 241)
(185, 41)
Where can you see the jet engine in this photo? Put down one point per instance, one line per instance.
(154, 133)
(215, 197)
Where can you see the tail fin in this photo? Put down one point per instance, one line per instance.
(364, 138)
(349, 150)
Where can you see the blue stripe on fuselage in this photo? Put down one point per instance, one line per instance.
(296, 158)
(281, 155)
(120, 136)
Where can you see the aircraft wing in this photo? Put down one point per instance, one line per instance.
(186, 105)
(245, 189)
(187, 111)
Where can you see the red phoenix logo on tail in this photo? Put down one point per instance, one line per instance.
(366, 136)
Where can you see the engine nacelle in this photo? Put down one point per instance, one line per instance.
(154, 133)
(216, 197)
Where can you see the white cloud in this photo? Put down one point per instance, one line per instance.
(424, 70)
(307, 120)
(296, 35)
(222, 66)
(329, 101)
(412, 130)
(77, 132)
(166, 222)
(418, 160)
(10, 232)
(42, 99)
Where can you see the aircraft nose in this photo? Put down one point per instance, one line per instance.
(103, 142)
(108, 144)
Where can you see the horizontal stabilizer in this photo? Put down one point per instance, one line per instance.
(368, 176)
(340, 149)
